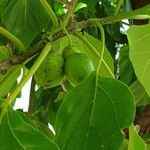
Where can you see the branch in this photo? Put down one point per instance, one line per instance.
(19, 58)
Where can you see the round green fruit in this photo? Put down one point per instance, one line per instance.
(50, 73)
(77, 67)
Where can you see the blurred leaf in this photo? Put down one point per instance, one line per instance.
(148, 147)
(93, 114)
(60, 10)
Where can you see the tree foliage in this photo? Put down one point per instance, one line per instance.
(89, 65)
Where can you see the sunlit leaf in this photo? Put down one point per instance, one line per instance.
(135, 141)
(139, 41)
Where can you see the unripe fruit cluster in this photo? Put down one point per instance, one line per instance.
(76, 66)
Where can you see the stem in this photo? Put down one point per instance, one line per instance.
(11, 37)
(118, 7)
(30, 73)
(50, 12)
(70, 12)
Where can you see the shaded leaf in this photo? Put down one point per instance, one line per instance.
(126, 71)
(16, 133)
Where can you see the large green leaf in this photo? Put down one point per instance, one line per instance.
(135, 141)
(139, 41)
(7, 81)
(93, 115)
(16, 133)
(25, 19)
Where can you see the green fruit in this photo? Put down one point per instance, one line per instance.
(77, 67)
(50, 73)
(67, 52)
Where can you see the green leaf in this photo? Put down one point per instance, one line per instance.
(126, 71)
(90, 5)
(107, 66)
(93, 115)
(141, 97)
(7, 81)
(139, 41)
(25, 19)
(61, 43)
(79, 6)
(16, 133)
(135, 141)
